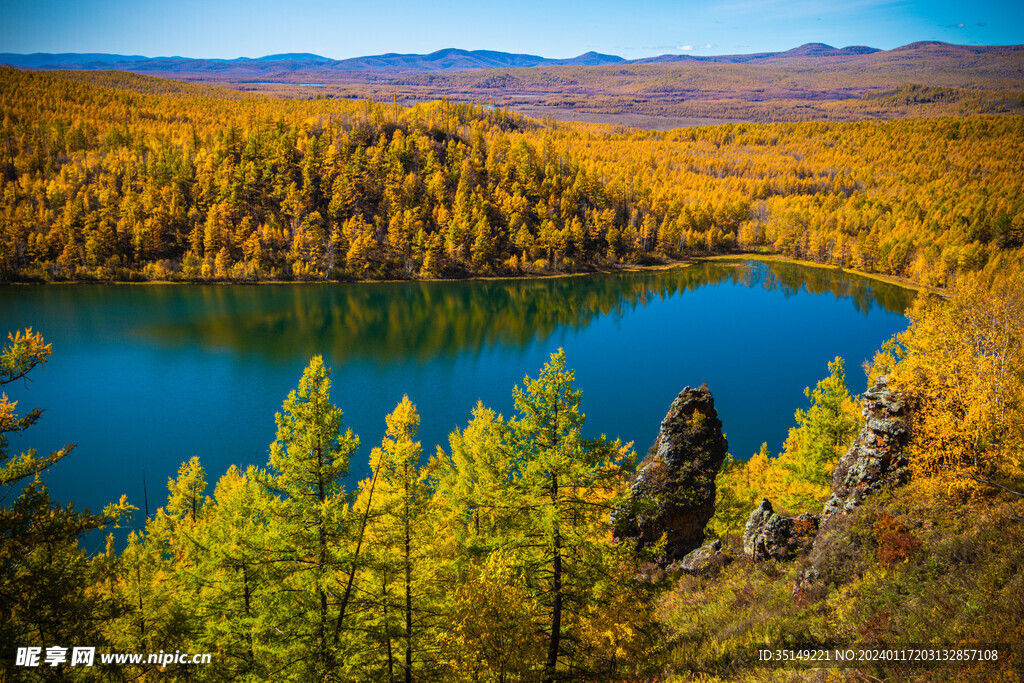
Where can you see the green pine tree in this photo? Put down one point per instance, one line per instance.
(567, 485)
(45, 577)
(400, 532)
(310, 526)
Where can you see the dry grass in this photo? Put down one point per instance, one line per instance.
(904, 569)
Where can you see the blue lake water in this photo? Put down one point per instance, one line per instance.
(144, 377)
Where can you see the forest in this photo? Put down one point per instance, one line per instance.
(118, 177)
(493, 557)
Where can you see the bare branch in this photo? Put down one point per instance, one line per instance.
(989, 482)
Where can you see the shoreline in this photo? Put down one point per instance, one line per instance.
(604, 270)
(904, 283)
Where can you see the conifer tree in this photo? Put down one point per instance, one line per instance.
(45, 577)
(310, 524)
(234, 611)
(476, 484)
(400, 533)
(813, 447)
(566, 484)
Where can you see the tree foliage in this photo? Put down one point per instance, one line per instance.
(528, 501)
(492, 561)
(799, 479)
(822, 434)
(46, 579)
(961, 364)
(126, 177)
(309, 525)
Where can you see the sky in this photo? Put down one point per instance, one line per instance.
(550, 28)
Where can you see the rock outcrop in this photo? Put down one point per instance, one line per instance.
(706, 560)
(875, 460)
(770, 536)
(807, 588)
(673, 493)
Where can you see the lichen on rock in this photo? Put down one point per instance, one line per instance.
(704, 561)
(875, 460)
(673, 493)
(771, 536)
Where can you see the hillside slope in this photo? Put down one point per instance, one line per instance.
(810, 82)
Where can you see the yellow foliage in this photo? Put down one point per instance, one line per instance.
(923, 199)
(962, 368)
(491, 629)
(740, 485)
(799, 479)
(618, 631)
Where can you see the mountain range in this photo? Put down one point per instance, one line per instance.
(812, 81)
(449, 59)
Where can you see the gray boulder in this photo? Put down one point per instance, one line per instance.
(673, 493)
(705, 560)
(770, 536)
(875, 460)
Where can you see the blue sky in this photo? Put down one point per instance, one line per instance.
(552, 28)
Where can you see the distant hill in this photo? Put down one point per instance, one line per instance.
(812, 50)
(450, 59)
(822, 50)
(302, 66)
(66, 60)
(294, 57)
(814, 81)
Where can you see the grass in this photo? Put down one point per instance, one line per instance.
(908, 567)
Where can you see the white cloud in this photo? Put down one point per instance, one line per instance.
(685, 48)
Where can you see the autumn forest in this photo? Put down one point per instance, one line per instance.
(499, 555)
(125, 177)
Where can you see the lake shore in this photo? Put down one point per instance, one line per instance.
(218, 361)
(903, 282)
(606, 269)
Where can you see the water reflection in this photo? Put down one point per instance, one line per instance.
(144, 377)
(424, 320)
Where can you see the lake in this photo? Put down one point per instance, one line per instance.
(144, 377)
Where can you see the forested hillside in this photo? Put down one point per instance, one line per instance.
(112, 176)
(492, 556)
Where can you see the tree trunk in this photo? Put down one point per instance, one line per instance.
(556, 607)
(408, 589)
(355, 560)
(387, 630)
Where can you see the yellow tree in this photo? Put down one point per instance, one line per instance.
(491, 634)
(740, 485)
(803, 471)
(962, 366)
(311, 524)
(399, 534)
